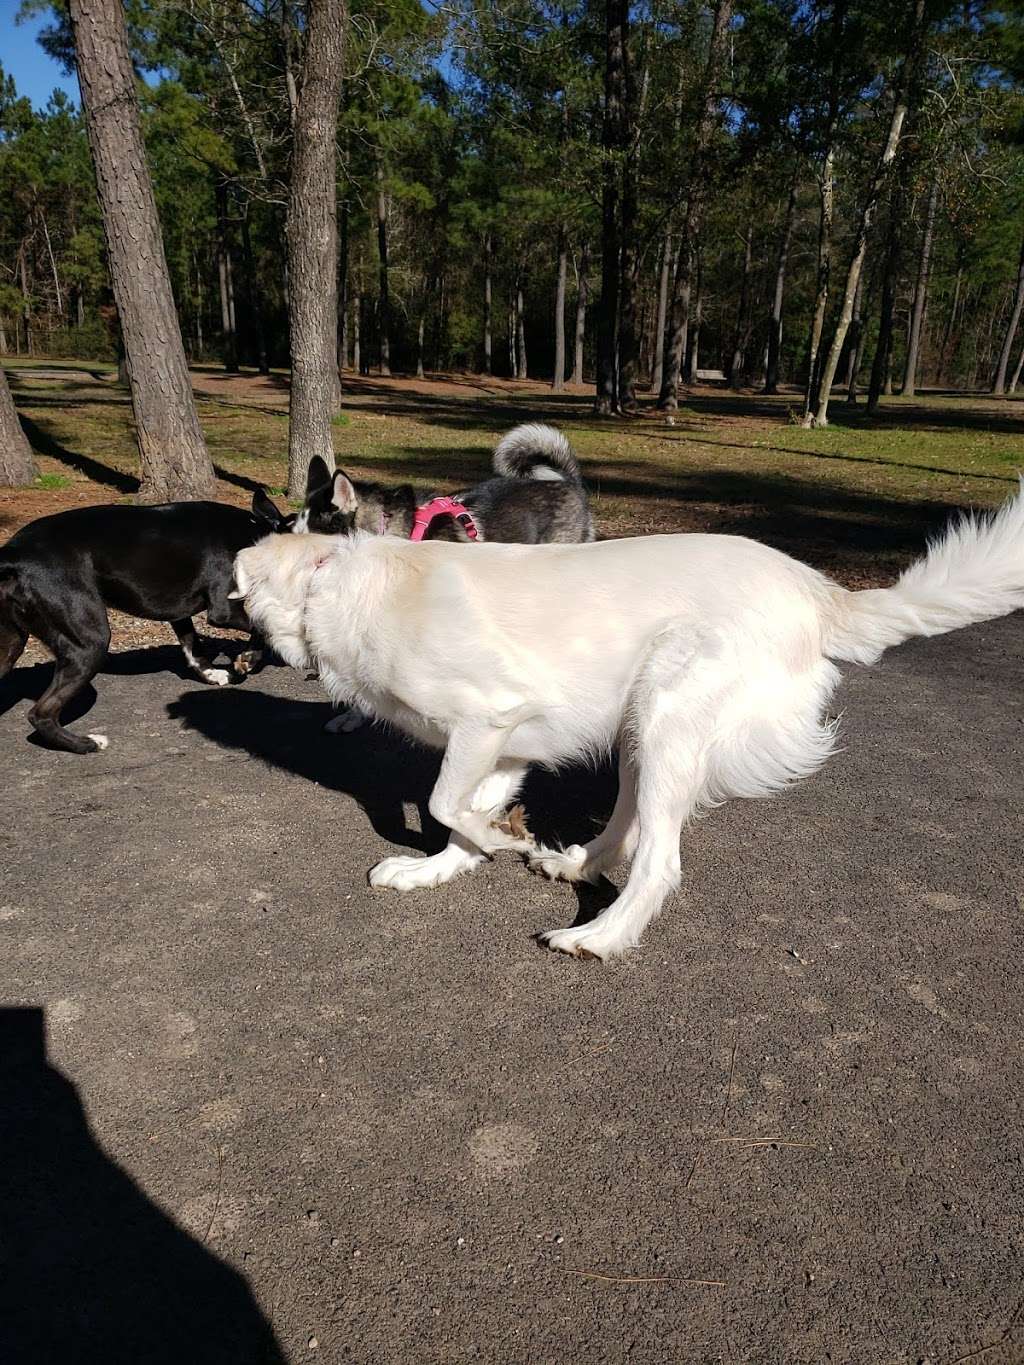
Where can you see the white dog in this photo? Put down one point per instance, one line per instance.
(705, 660)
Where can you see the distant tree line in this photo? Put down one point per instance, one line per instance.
(788, 192)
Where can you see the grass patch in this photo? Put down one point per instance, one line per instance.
(52, 481)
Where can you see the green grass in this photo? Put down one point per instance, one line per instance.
(52, 481)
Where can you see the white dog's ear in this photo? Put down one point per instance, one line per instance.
(242, 582)
(344, 496)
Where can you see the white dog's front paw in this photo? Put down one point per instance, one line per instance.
(411, 874)
(590, 940)
(345, 722)
(561, 864)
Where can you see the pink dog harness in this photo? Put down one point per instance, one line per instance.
(441, 507)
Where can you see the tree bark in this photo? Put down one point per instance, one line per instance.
(17, 464)
(227, 319)
(999, 383)
(384, 316)
(691, 359)
(664, 277)
(252, 288)
(920, 296)
(855, 349)
(771, 377)
(488, 304)
(343, 291)
(883, 346)
(521, 371)
(741, 336)
(627, 363)
(581, 315)
(693, 218)
(616, 26)
(558, 379)
(313, 246)
(175, 462)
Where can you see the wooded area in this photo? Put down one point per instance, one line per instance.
(828, 195)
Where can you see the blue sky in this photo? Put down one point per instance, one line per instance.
(35, 74)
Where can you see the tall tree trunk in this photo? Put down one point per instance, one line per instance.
(343, 290)
(826, 189)
(855, 349)
(999, 383)
(558, 379)
(920, 295)
(627, 362)
(946, 348)
(421, 331)
(227, 321)
(26, 298)
(255, 295)
(357, 322)
(17, 465)
(175, 462)
(488, 303)
(581, 315)
(771, 377)
(382, 255)
(616, 27)
(741, 334)
(819, 417)
(520, 330)
(664, 277)
(313, 244)
(1016, 372)
(691, 360)
(880, 364)
(693, 218)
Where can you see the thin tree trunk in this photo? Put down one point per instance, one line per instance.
(629, 258)
(17, 465)
(520, 330)
(692, 357)
(488, 303)
(699, 171)
(558, 379)
(826, 189)
(53, 263)
(343, 290)
(420, 332)
(616, 27)
(581, 315)
(999, 383)
(819, 417)
(313, 245)
(659, 322)
(883, 346)
(357, 319)
(252, 288)
(740, 335)
(920, 296)
(855, 349)
(26, 304)
(223, 266)
(175, 461)
(382, 253)
(771, 377)
(946, 349)
(1016, 373)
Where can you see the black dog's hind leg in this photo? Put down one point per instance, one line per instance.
(12, 643)
(198, 662)
(77, 663)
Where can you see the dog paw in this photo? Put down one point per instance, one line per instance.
(586, 941)
(101, 742)
(409, 874)
(345, 722)
(560, 864)
(247, 662)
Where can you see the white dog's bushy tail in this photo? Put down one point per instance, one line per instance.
(536, 451)
(973, 572)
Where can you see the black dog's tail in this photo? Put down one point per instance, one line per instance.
(536, 451)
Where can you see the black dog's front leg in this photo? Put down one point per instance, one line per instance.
(196, 660)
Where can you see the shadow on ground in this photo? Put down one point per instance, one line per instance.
(91, 1269)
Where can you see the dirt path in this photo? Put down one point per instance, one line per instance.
(286, 1117)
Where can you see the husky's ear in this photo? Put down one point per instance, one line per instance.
(267, 511)
(319, 476)
(242, 581)
(343, 495)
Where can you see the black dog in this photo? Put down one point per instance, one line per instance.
(58, 576)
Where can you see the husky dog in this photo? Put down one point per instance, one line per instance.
(536, 496)
(705, 660)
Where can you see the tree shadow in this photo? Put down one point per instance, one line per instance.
(90, 1268)
(44, 444)
(381, 771)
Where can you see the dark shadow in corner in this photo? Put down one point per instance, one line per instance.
(44, 444)
(90, 1268)
(382, 771)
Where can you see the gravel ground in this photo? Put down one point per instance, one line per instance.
(284, 1117)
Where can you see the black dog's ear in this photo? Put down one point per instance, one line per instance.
(318, 477)
(343, 494)
(267, 511)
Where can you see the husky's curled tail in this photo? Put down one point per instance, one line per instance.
(972, 572)
(536, 451)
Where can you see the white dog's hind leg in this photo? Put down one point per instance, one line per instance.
(615, 844)
(460, 855)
